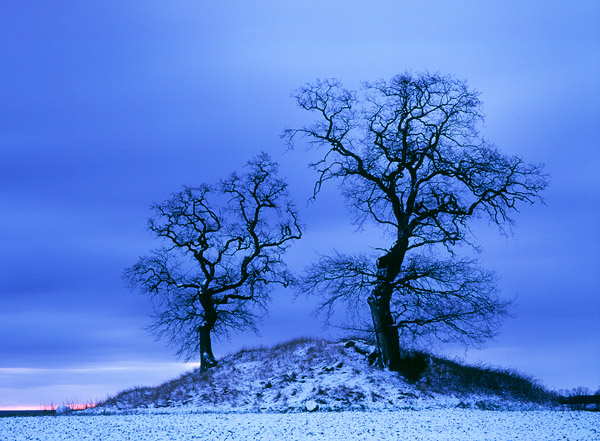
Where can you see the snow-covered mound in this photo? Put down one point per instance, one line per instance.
(309, 375)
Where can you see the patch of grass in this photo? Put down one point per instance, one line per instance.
(446, 376)
(413, 365)
(293, 344)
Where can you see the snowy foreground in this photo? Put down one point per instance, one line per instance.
(439, 424)
(318, 390)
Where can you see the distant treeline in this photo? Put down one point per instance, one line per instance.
(581, 402)
(25, 413)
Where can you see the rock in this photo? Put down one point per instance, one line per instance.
(63, 410)
(311, 406)
(373, 356)
(371, 351)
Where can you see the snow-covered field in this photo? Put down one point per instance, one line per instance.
(439, 424)
(262, 394)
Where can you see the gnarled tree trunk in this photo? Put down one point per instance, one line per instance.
(386, 332)
(379, 303)
(207, 359)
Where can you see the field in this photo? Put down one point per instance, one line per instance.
(263, 394)
(439, 424)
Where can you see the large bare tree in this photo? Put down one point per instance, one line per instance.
(409, 158)
(223, 249)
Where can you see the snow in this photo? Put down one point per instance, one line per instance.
(62, 409)
(439, 424)
(294, 375)
(310, 390)
(311, 406)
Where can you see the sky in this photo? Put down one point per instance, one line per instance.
(107, 107)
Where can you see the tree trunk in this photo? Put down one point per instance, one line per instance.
(388, 267)
(386, 332)
(207, 359)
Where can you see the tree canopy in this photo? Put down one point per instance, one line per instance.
(222, 253)
(410, 159)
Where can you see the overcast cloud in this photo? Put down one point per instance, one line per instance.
(107, 107)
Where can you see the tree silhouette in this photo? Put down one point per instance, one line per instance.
(410, 159)
(223, 252)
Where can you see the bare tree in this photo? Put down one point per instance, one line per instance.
(410, 159)
(223, 252)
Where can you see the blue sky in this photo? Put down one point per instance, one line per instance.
(106, 107)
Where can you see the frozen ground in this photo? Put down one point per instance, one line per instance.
(333, 376)
(440, 424)
(262, 394)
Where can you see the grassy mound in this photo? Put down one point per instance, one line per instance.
(309, 374)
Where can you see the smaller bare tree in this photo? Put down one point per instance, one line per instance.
(223, 253)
